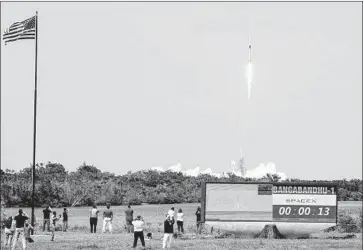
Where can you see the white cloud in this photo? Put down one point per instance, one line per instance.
(258, 172)
(159, 169)
(263, 169)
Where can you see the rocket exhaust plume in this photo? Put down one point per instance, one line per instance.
(249, 69)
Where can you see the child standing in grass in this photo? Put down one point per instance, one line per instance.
(53, 224)
(27, 229)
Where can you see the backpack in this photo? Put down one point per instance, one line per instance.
(8, 222)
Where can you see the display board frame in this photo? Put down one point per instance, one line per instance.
(317, 184)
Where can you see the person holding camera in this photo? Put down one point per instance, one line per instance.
(19, 228)
(9, 231)
(138, 231)
(168, 231)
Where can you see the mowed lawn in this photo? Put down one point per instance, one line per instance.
(77, 240)
(78, 236)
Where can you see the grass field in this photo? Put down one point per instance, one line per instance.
(78, 236)
(122, 241)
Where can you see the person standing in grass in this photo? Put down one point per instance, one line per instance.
(168, 231)
(93, 218)
(65, 220)
(171, 212)
(27, 228)
(129, 218)
(107, 219)
(198, 213)
(53, 224)
(46, 218)
(138, 231)
(9, 230)
(19, 228)
(180, 220)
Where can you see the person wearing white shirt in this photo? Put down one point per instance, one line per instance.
(180, 220)
(171, 213)
(93, 218)
(138, 231)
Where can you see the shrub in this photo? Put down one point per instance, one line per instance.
(348, 223)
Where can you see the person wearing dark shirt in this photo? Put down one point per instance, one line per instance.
(46, 217)
(168, 231)
(19, 228)
(65, 219)
(129, 218)
(198, 213)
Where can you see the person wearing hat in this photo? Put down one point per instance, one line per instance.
(138, 231)
(168, 231)
(107, 219)
(19, 228)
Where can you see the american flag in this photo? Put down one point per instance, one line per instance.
(20, 30)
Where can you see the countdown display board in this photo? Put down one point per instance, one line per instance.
(270, 202)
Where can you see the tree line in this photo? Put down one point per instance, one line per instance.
(55, 186)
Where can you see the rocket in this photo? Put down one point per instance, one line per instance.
(249, 49)
(249, 68)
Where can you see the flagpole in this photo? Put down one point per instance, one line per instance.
(35, 113)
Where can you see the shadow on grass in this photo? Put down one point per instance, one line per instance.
(93, 246)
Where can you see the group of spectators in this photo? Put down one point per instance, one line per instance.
(169, 222)
(50, 218)
(137, 226)
(18, 227)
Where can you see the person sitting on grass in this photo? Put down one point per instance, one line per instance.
(138, 231)
(27, 228)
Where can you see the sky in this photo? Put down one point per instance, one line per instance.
(130, 86)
